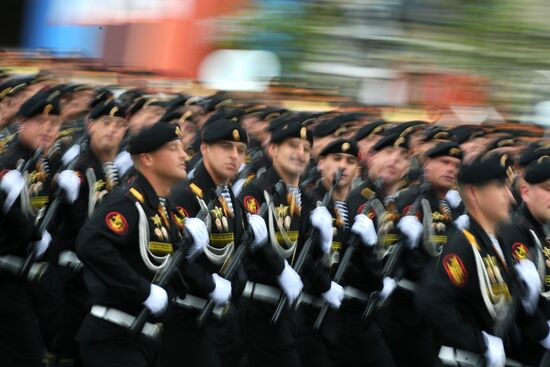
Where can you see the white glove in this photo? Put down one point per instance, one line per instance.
(157, 300)
(222, 291)
(322, 220)
(290, 283)
(527, 271)
(453, 198)
(69, 182)
(334, 295)
(546, 341)
(462, 222)
(364, 228)
(494, 355)
(12, 184)
(197, 230)
(123, 162)
(257, 224)
(411, 227)
(42, 245)
(387, 289)
(70, 154)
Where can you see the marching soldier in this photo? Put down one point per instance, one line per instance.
(289, 214)
(471, 295)
(399, 320)
(532, 214)
(27, 197)
(223, 148)
(345, 338)
(125, 243)
(98, 174)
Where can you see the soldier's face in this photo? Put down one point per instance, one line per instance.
(391, 164)
(442, 171)
(223, 159)
(365, 146)
(169, 161)
(494, 200)
(145, 117)
(76, 103)
(107, 132)
(329, 165)
(39, 131)
(189, 131)
(537, 198)
(292, 155)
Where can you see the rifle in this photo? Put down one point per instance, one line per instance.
(393, 259)
(165, 275)
(300, 262)
(52, 210)
(230, 271)
(354, 242)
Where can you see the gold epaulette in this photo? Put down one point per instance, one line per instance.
(367, 193)
(196, 190)
(470, 237)
(137, 194)
(248, 179)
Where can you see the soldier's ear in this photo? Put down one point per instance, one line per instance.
(146, 159)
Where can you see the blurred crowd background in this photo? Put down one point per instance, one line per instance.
(448, 61)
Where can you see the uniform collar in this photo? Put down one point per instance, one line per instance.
(145, 188)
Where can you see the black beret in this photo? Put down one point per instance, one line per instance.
(291, 129)
(532, 153)
(101, 95)
(393, 139)
(223, 130)
(176, 115)
(341, 146)
(42, 102)
(270, 113)
(177, 101)
(286, 118)
(225, 114)
(212, 103)
(12, 86)
(109, 108)
(491, 166)
(152, 137)
(335, 125)
(445, 148)
(463, 133)
(437, 133)
(538, 170)
(410, 126)
(502, 142)
(370, 129)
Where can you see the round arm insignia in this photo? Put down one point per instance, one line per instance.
(116, 223)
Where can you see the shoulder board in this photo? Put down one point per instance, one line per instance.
(196, 190)
(136, 194)
(367, 193)
(470, 237)
(249, 179)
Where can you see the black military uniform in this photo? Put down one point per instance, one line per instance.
(122, 246)
(399, 320)
(97, 180)
(288, 226)
(348, 339)
(215, 343)
(23, 342)
(472, 284)
(536, 170)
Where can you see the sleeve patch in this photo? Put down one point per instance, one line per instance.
(455, 270)
(251, 204)
(116, 223)
(520, 251)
